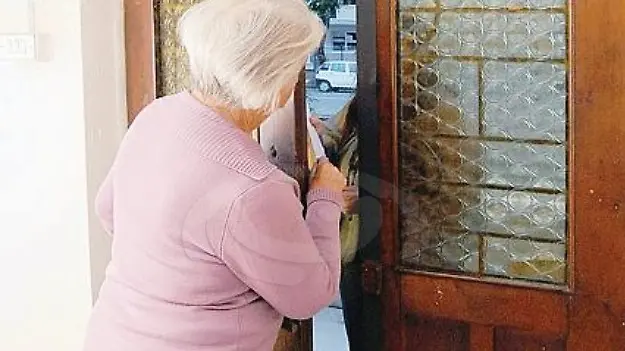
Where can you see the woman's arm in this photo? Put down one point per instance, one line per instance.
(291, 262)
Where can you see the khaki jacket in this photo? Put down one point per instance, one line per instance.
(343, 152)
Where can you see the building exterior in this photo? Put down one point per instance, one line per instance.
(341, 38)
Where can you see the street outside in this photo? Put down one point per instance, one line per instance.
(326, 105)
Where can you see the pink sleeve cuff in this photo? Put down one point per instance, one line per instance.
(325, 195)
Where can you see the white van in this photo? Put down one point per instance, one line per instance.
(337, 75)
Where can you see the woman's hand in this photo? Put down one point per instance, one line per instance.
(350, 197)
(326, 176)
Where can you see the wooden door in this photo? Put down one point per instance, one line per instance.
(502, 136)
(155, 65)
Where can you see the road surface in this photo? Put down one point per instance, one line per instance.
(326, 105)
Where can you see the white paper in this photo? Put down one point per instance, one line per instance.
(315, 140)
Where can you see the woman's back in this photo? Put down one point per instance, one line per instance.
(192, 259)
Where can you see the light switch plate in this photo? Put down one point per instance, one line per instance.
(17, 47)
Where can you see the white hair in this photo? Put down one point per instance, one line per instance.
(245, 53)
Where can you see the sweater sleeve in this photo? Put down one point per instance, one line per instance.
(291, 262)
(104, 203)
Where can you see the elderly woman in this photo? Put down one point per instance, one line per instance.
(210, 246)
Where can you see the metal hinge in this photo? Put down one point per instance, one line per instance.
(372, 277)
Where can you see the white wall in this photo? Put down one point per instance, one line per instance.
(61, 119)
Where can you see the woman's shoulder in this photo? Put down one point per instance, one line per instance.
(279, 179)
(239, 186)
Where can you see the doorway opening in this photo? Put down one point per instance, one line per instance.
(331, 80)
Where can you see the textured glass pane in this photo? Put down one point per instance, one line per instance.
(482, 137)
(525, 100)
(526, 259)
(449, 250)
(518, 214)
(514, 4)
(499, 164)
(447, 100)
(506, 213)
(488, 34)
(171, 71)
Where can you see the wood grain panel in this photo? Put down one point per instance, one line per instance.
(386, 22)
(598, 175)
(140, 55)
(481, 338)
(487, 304)
(436, 335)
(511, 340)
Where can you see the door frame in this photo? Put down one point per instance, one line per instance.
(598, 174)
(139, 34)
(594, 302)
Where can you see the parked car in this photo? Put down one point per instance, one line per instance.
(337, 75)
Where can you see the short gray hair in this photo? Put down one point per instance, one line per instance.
(245, 52)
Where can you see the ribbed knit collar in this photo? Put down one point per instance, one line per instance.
(219, 140)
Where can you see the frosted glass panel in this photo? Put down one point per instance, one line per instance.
(482, 134)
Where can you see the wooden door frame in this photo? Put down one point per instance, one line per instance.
(594, 300)
(598, 173)
(139, 33)
(386, 40)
